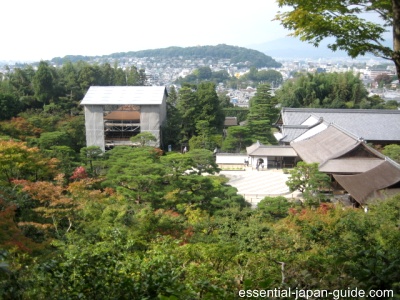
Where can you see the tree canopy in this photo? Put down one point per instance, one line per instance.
(328, 90)
(262, 113)
(346, 22)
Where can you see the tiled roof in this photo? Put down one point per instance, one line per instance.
(325, 145)
(258, 149)
(369, 124)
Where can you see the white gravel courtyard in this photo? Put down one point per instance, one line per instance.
(255, 185)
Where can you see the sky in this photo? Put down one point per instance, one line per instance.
(34, 30)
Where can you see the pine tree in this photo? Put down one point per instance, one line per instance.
(263, 112)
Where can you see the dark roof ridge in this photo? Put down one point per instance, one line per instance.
(275, 146)
(320, 121)
(296, 126)
(342, 110)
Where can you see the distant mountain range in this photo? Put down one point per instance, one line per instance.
(236, 55)
(293, 48)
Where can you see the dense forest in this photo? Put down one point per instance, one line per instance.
(250, 57)
(143, 223)
(50, 88)
(329, 90)
(136, 224)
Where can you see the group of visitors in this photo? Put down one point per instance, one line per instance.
(259, 164)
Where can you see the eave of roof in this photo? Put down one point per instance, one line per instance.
(284, 151)
(350, 165)
(258, 149)
(361, 186)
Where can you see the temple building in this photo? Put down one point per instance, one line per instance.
(376, 126)
(114, 114)
(356, 169)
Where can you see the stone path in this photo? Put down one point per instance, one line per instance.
(255, 185)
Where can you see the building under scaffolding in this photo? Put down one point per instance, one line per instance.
(113, 114)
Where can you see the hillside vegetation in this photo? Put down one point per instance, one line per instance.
(235, 54)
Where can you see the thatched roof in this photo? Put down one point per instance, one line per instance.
(362, 186)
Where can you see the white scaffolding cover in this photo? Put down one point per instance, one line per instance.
(151, 99)
(94, 125)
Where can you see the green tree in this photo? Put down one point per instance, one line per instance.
(107, 74)
(206, 137)
(120, 77)
(87, 76)
(224, 100)
(203, 161)
(209, 106)
(203, 73)
(144, 138)
(89, 155)
(43, 83)
(20, 81)
(345, 22)
(9, 106)
(55, 138)
(276, 207)
(255, 77)
(132, 76)
(393, 151)
(171, 127)
(263, 112)
(17, 161)
(237, 138)
(74, 127)
(66, 158)
(136, 174)
(188, 108)
(307, 179)
(239, 112)
(304, 177)
(69, 80)
(330, 90)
